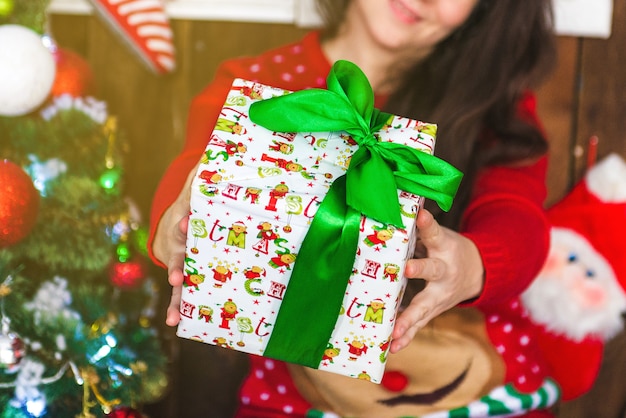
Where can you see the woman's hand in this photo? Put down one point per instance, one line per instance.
(453, 272)
(169, 246)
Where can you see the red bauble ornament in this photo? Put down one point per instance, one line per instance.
(73, 75)
(124, 412)
(19, 204)
(129, 274)
(395, 381)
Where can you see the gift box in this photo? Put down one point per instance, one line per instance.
(302, 216)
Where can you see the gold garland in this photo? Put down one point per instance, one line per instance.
(90, 385)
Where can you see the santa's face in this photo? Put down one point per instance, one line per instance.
(576, 292)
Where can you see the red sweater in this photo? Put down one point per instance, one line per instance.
(505, 218)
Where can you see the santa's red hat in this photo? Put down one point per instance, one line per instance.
(596, 209)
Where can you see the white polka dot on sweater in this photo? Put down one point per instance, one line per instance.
(245, 400)
(493, 319)
(521, 358)
(300, 69)
(278, 58)
(524, 340)
(287, 409)
(281, 389)
(521, 379)
(264, 396)
(320, 81)
(255, 68)
(508, 328)
(286, 77)
(259, 374)
(296, 49)
(269, 364)
(501, 349)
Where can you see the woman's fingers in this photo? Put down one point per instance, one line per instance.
(169, 246)
(173, 310)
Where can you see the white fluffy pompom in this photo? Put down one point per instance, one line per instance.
(607, 179)
(27, 70)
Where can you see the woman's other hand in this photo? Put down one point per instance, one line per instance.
(169, 246)
(453, 272)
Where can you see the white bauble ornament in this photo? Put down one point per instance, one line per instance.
(27, 70)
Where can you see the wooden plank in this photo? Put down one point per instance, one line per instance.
(213, 42)
(603, 92)
(607, 398)
(69, 32)
(132, 94)
(556, 104)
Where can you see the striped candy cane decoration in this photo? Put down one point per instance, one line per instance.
(505, 401)
(145, 27)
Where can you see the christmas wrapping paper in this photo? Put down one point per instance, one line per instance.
(252, 281)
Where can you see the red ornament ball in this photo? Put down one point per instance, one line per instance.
(73, 75)
(127, 275)
(124, 412)
(19, 204)
(395, 381)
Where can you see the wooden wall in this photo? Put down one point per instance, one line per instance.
(585, 97)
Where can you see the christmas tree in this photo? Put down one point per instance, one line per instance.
(76, 307)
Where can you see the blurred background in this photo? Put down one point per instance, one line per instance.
(583, 107)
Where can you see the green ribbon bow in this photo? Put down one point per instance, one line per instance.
(312, 301)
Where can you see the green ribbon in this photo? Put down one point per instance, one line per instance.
(312, 301)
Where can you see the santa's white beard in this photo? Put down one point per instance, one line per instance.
(548, 305)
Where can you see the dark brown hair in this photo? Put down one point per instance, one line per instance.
(471, 84)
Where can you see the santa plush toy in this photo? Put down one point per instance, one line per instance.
(578, 298)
